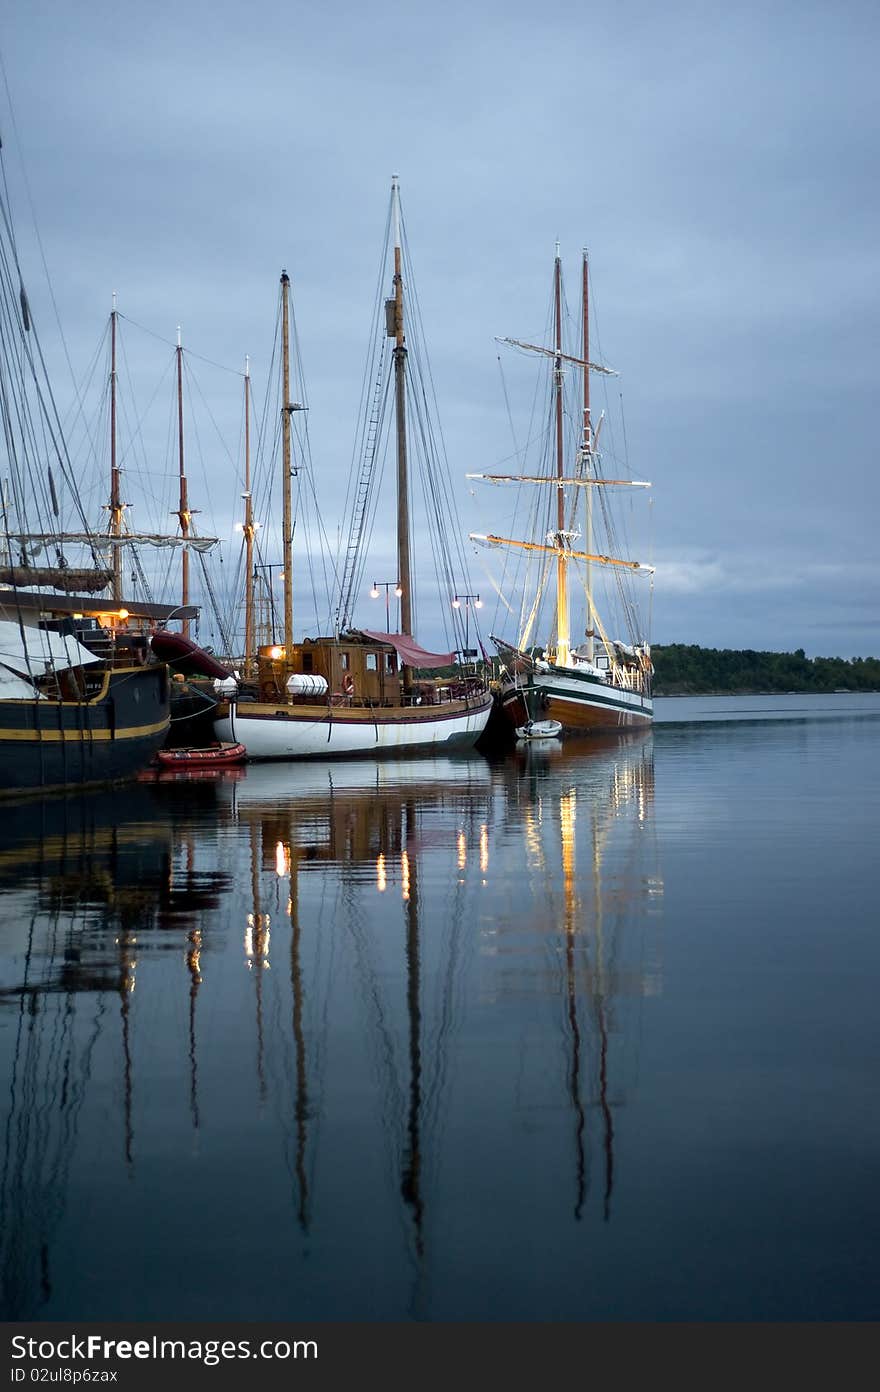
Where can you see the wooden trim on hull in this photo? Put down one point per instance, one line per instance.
(303, 732)
(581, 716)
(576, 713)
(89, 734)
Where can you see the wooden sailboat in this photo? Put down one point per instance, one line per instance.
(355, 692)
(602, 683)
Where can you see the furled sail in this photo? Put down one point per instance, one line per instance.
(56, 577)
(558, 482)
(38, 541)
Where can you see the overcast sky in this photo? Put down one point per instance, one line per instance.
(719, 161)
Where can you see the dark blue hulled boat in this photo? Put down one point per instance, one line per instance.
(82, 698)
(69, 717)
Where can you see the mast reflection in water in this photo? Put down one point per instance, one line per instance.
(397, 1004)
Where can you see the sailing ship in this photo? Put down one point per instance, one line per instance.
(603, 682)
(357, 690)
(81, 699)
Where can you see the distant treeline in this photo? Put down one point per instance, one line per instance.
(682, 669)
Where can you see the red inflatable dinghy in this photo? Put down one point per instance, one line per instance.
(209, 756)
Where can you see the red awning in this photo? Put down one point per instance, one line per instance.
(408, 650)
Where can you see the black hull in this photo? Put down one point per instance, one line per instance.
(193, 708)
(52, 745)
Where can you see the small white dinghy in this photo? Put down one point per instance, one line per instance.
(539, 729)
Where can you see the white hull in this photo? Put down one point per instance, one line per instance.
(269, 732)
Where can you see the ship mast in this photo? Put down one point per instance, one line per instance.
(116, 505)
(403, 559)
(287, 513)
(183, 513)
(587, 457)
(249, 529)
(562, 618)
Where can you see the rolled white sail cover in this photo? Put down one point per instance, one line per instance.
(306, 684)
(225, 686)
(39, 651)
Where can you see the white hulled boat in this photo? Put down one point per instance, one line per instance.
(357, 690)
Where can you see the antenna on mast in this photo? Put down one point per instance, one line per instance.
(395, 210)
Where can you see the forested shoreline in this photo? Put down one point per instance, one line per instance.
(682, 669)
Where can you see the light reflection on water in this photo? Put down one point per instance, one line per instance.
(444, 1038)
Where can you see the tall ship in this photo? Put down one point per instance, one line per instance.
(358, 690)
(83, 698)
(594, 679)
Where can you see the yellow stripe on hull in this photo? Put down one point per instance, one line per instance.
(85, 736)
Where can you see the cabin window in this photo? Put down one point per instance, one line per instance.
(390, 664)
(372, 664)
(307, 661)
(345, 660)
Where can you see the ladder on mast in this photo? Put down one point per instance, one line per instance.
(362, 497)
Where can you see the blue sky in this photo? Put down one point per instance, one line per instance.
(720, 163)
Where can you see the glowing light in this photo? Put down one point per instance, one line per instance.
(478, 603)
(404, 875)
(398, 591)
(381, 879)
(533, 838)
(123, 613)
(275, 653)
(567, 818)
(374, 592)
(484, 848)
(282, 860)
(462, 851)
(456, 603)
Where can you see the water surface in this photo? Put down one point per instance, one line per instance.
(586, 1033)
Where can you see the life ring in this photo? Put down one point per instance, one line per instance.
(348, 684)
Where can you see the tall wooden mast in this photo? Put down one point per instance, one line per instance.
(249, 529)
(287, 508)
(116, 505)
(183, 513)
(562, 619)
(403, 559)
(587, 459)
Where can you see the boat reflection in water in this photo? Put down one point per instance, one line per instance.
(587, 813)
(396, 991)
(361, 827)
(92, 887)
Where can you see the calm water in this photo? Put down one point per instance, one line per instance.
(590, 1033)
